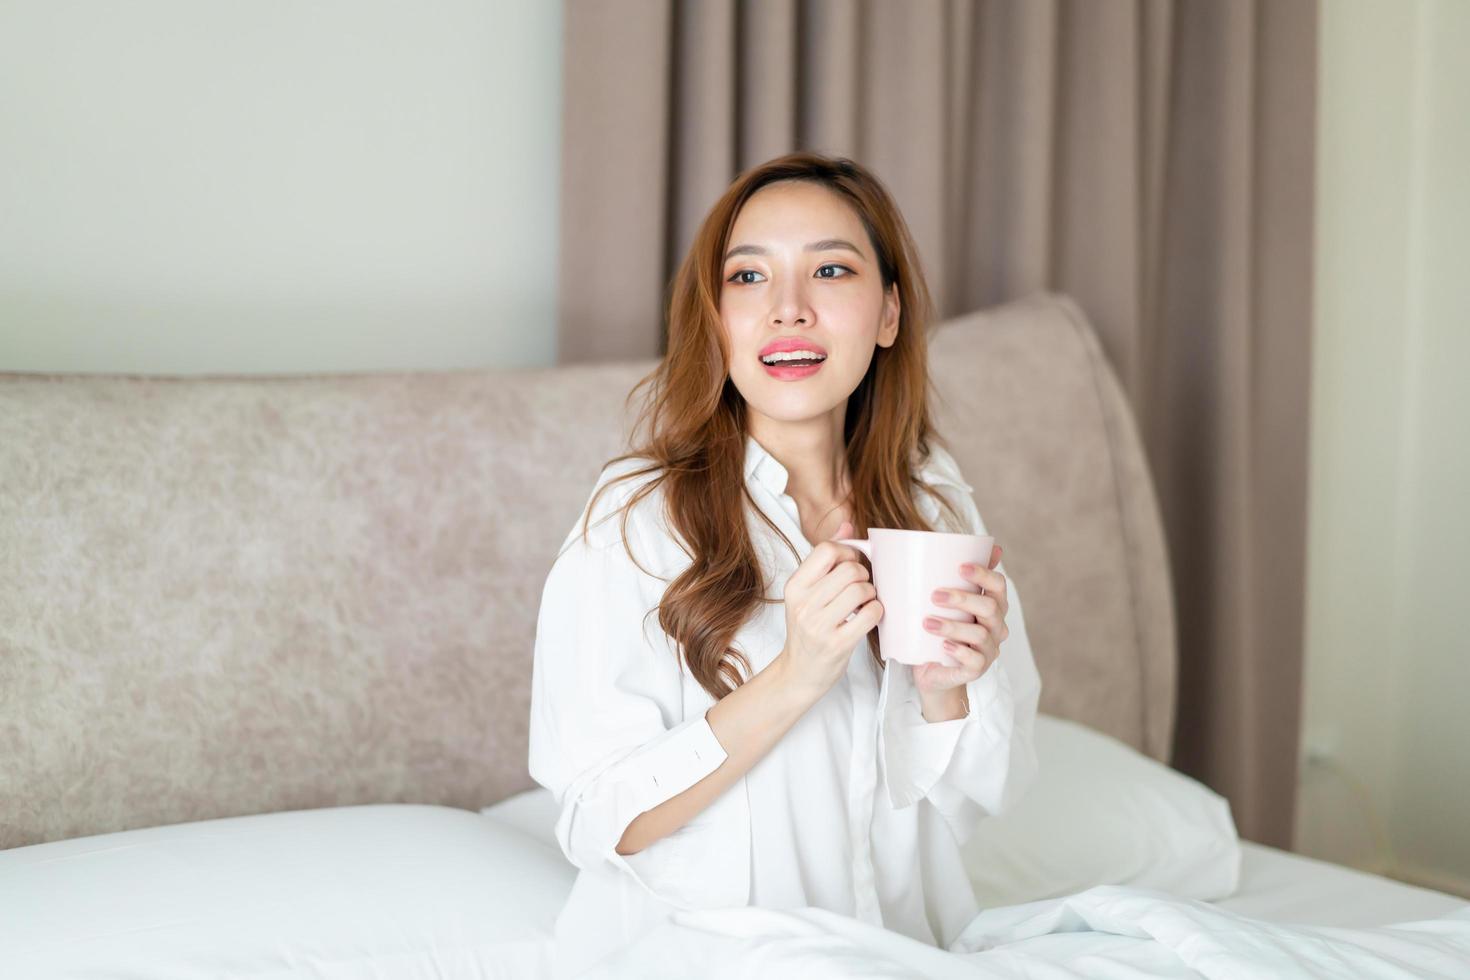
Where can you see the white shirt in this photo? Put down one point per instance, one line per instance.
(860, 809)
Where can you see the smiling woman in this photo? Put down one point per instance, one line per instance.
(743, 749)
(804, 252)
(784, 291)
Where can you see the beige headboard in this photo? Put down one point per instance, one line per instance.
(233, 595)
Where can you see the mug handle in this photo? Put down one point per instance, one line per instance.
(863, 545)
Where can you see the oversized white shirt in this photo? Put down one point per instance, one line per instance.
(860, 809)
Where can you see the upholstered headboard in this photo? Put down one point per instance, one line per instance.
(233, 595)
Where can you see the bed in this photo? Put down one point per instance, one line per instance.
(419, 891)
(264, 685)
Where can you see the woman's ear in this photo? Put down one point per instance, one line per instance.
(888, 331)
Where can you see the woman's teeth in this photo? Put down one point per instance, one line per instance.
(786, 356)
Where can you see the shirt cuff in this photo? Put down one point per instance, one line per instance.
(916, 752)
(661, 768)
(670, 764)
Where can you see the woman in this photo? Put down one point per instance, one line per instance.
(740, 749)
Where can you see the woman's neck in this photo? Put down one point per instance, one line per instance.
(815, 458)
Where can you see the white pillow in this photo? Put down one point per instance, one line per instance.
(396, 890)
(1099, 813)
(1103, 813)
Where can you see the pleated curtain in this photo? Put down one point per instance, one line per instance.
(1152, 158)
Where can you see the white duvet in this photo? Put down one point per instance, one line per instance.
(414, 892)
(1110, 932)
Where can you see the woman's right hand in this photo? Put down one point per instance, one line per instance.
(824, 590)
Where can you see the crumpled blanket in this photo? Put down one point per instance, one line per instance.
(1110, 932)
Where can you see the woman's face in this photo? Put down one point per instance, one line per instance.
(829, 299)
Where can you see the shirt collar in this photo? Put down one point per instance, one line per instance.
(767, 470)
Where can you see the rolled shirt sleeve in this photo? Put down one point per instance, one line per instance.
(607, 735)
(976, 765)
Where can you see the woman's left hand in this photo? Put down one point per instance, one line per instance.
(974, 645)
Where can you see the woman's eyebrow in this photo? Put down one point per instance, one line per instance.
(821, 246)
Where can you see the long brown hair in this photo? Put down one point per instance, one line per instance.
(696, 424)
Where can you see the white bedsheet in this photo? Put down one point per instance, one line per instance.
(1291, 916)
(1284, 887)
(1109, 932)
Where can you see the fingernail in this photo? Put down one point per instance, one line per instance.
(930, 623)
(968, 568)
(940, 597)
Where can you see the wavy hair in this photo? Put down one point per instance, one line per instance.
(695, 425)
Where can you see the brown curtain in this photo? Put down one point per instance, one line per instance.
(1152, 158)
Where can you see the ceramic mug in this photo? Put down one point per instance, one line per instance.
(907, 567)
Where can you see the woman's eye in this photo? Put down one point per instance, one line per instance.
(820, 269)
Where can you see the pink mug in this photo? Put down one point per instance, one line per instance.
(907, 567)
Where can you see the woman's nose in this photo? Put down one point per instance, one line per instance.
(791, 308)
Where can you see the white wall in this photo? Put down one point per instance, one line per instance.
(1386, 769)
(192, 186)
